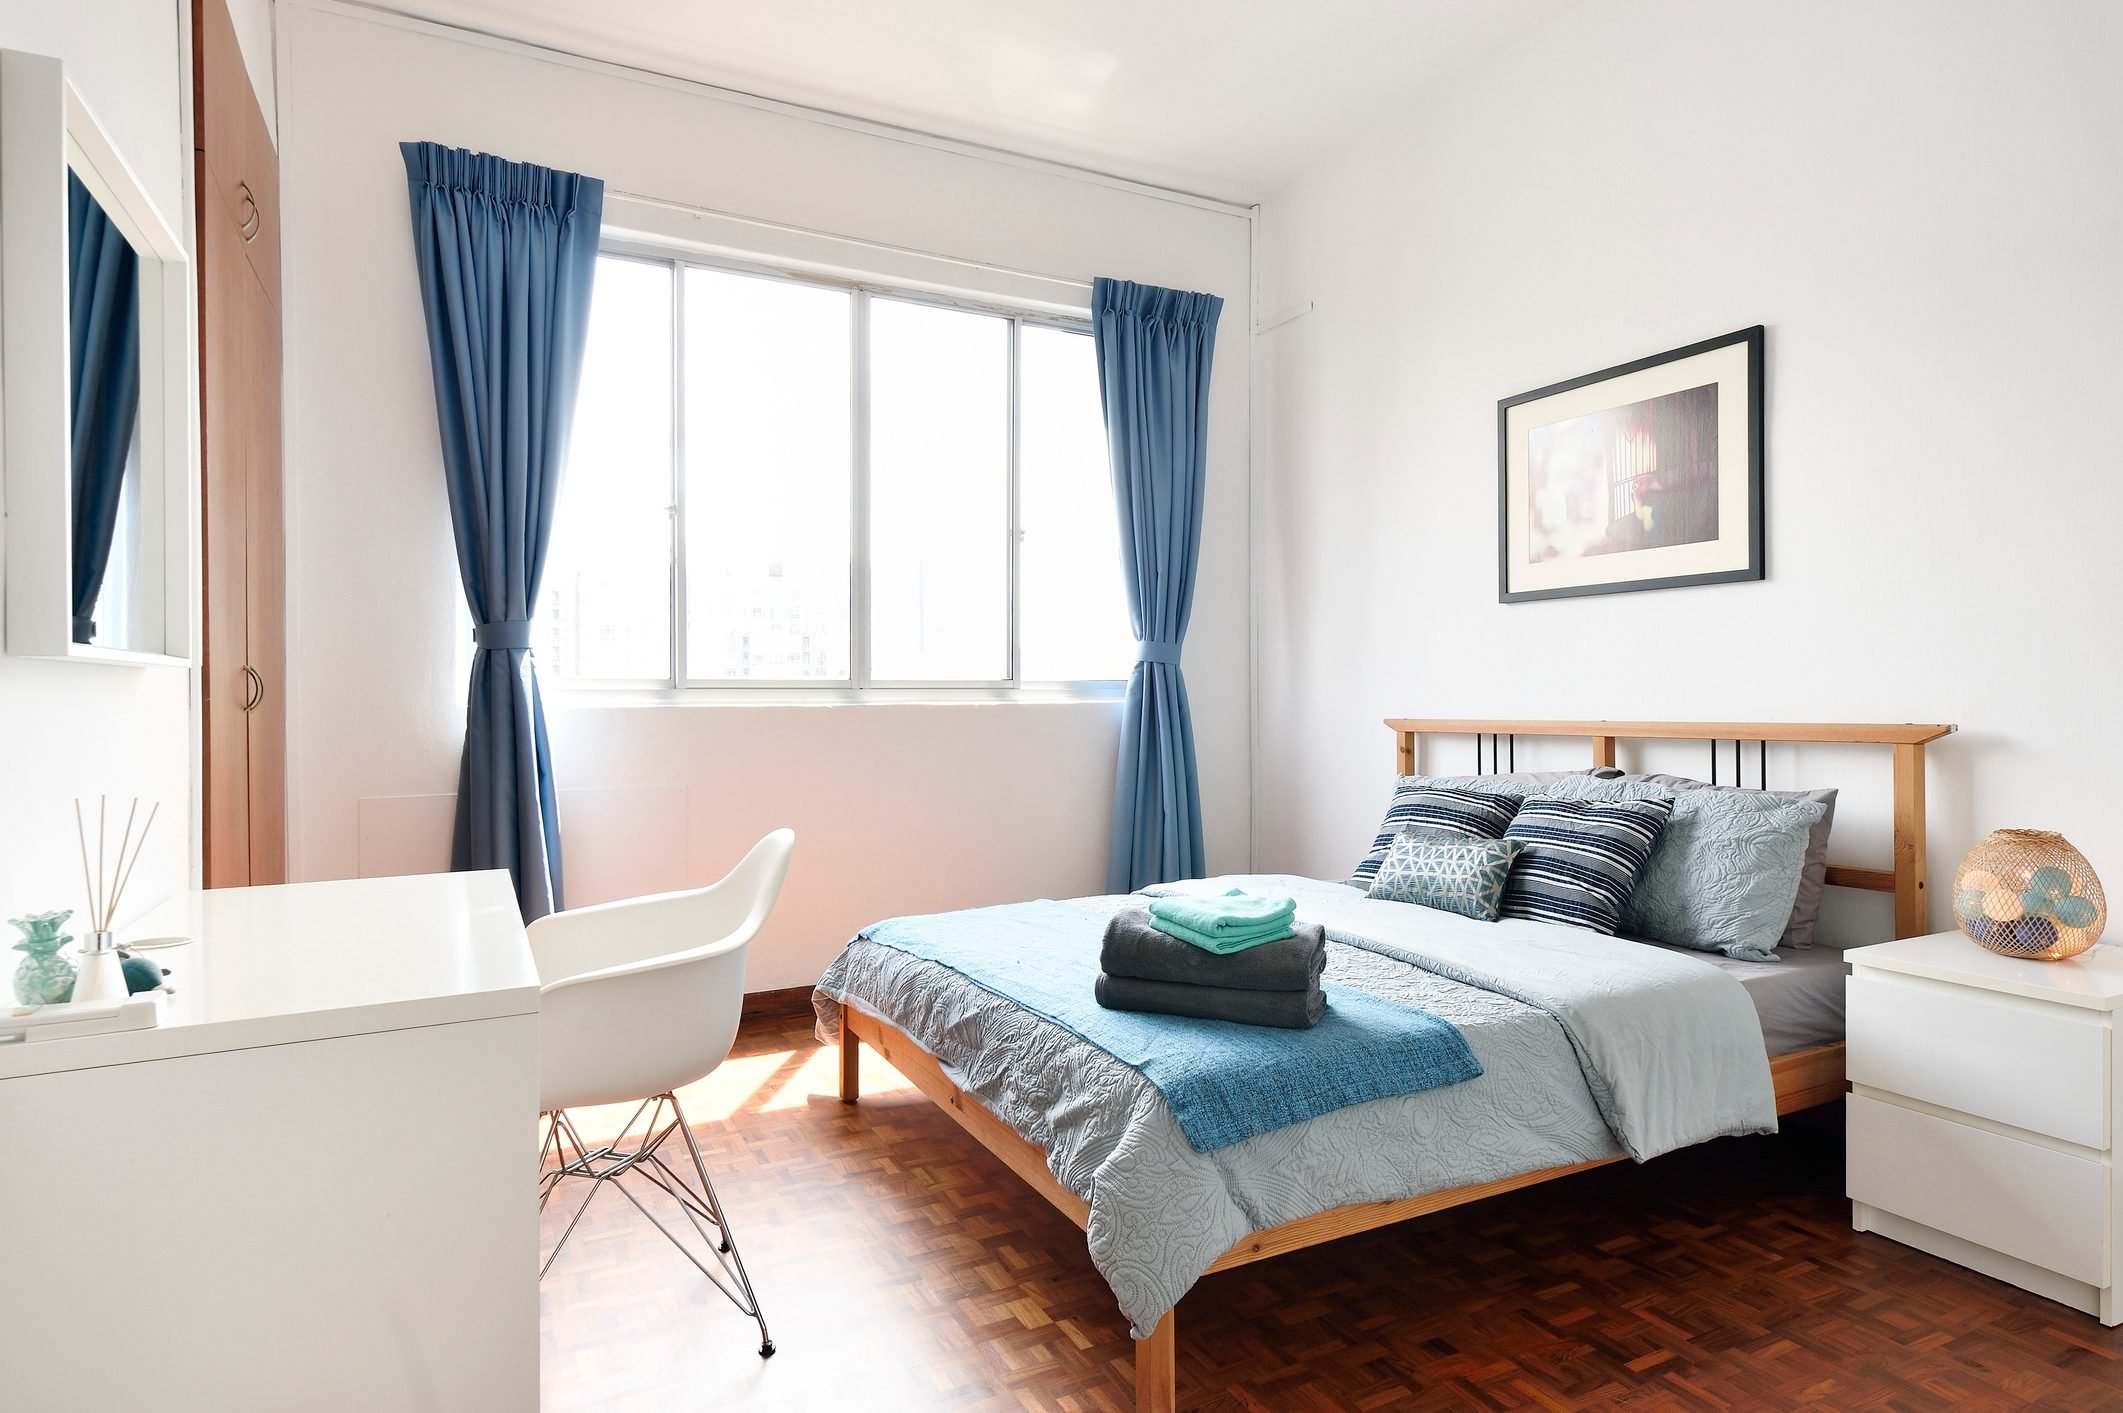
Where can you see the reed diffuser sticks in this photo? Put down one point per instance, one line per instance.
(106, 885)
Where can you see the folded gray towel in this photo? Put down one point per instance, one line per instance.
(1292, 1010)
(1134, 947)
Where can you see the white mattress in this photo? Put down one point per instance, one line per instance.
(1799, 999)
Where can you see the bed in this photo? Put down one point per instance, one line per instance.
(1577, 1072)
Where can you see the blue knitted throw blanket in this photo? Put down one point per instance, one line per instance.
(1224, 1082)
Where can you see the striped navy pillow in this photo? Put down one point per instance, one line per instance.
(1581, 859)
(1451, 814)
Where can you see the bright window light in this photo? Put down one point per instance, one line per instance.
(1072, 609)
(767, 485)
(939, 494)
(754, 456)
(604, 612)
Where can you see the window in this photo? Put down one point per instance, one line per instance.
(768, 434)
(605, 603)
(796, 483)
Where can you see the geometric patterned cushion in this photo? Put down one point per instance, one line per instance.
(1420, 805)
(1581, 859)
(1464, 876)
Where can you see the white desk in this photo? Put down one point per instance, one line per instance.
(310, 1187)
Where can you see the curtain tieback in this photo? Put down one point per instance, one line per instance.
(1167, 653)
(508, 634)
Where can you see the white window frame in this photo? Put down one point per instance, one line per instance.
(858, 685)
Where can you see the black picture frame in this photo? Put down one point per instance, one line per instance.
(1756, 567)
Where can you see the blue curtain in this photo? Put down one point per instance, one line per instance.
(104, 313)
(1154, 349)
(507, 253)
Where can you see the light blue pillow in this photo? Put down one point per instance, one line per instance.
(1464, 876)
(1724, 872)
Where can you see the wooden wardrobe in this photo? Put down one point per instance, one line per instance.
(244, 698)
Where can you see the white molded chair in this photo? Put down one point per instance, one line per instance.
(640, 998)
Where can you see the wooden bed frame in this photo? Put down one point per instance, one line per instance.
(1803, 1079)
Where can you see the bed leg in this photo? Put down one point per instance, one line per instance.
(1156, 1370)
(850, 1062)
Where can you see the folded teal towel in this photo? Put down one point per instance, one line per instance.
(1227, 943)
(1233, 912)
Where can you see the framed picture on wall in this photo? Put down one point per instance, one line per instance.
(1645, 476)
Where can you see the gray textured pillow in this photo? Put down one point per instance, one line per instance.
(1522, 783)
(1813, 880)
(1724, 872)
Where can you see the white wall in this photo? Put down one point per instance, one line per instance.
(69, 729)
(253, 20)
(896, 808)
(1921, 200)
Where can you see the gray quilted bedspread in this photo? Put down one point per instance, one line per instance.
(1667, 1049)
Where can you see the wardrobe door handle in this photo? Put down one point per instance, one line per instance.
(254, 688)
(251, 220)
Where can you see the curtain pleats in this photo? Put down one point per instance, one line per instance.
(1154, 351)
(507, 253)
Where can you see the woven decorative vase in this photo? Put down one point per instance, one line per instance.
(2028, 893)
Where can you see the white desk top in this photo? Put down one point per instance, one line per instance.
(2093, 979)
(312, 961)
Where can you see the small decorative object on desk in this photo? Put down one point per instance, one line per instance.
(44, 977)
(141, 974)
(2028, 893)
(102, 973)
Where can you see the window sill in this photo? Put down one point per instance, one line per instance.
(575, 697)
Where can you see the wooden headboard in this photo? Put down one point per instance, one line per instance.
(1904, 879)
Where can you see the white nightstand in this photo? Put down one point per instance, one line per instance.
(1983, 1095)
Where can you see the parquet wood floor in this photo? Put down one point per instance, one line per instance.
(902, 1267)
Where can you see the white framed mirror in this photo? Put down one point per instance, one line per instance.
(95, 393)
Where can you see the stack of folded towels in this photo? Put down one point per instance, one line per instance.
(1235, 958)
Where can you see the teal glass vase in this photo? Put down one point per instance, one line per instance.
(44, 978)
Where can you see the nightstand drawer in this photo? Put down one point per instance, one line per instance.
(2036, 1203)
(2033, 1066)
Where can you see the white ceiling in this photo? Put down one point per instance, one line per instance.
(1228, 98)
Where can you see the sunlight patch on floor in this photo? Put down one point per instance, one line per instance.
(754, 1084)
(736, 1083)
(717, 1097)
(820, 1074)
(878, 1076)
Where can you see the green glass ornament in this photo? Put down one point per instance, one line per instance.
(45, 978)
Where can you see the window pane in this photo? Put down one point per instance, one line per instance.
(768, 475)
(939, 486)
(1073, 608)
(605, 604)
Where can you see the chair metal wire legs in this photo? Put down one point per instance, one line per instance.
(563, 1156)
